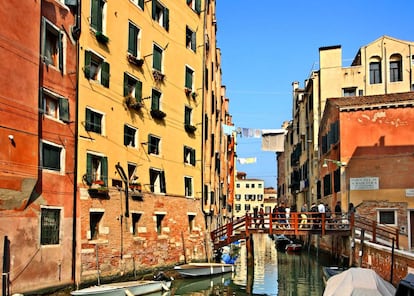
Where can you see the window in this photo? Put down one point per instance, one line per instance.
(96, 168)
(187, 115)
(237, 185)
(135, 220)
(253, 185)
(247, 207)
(160, 14)
(190, 39)
(53, 105)
(237, 196)
(132, 172)
(160, 217)
(139, 3)
(396, 68)
(157, 181)
(133, 40)
(375, 72)
(194, 5)
(96, 68)
(252, 196)
(349, 92)
(247, 185)
(259, 185)
(95, 218)
(153, 145)
(130, 136)
(260, 197)
(98, 8)
(50, 226)
(246, 197)
(157, 58)
(132, 88)
(237, 207)
(53, 157)
(156, 100)
(189, 155)
(188, 186)
(189, 73)
(52, 45)
(93, 121)
(191, 221)
(387, 216)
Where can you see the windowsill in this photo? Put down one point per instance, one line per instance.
(62, 5)
(98, 241)
(54, 172)
(53, 118)
(50, 246)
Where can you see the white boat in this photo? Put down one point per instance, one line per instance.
(203, 269)
(124, 288)
(358, 281)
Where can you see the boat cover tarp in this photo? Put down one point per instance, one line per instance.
(358, 281)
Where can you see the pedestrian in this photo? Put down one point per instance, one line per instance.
(314, 216)
(256, 216)
(274, 215)
(338, 212)
(261, 216)
(282, 214)
(328, 216)
(303, 216)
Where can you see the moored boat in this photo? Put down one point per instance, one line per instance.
(293, 247)
(141, 287)
(203, 269)
(281, 241)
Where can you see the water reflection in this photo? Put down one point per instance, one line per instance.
(274, 273)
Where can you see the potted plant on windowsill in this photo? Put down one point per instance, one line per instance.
(133, 103)
(101, 37)
(158, 76)
(190, 128)
(158, 114)
(187, 91)
(135, 60)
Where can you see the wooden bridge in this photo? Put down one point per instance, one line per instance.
(314, 223)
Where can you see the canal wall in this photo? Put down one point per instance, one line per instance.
(390, 265)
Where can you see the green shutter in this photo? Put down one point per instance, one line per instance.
(193, 41)
(163, 188)
(187, 118)
(64, 109)
(149, 144)
(141, 4)
(132, 39)
(88, 168)
(126, 140)
(166, 19)
(138, 91)
(157, 55)
(41, 102)
(87, 67)
(154, 9)
(125, 84)
(198, 6)
(188, 78)
(94, 13)
(192, 157)
(185, 153)
(60, 52)
(88, 119)
(104, 170)
(105, 74)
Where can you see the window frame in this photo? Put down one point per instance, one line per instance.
(91, 124)
(375, 72)
(96, 171)
(56, 239)
(134, 40)
(188, 186)
(387, 210)
(154, 145)
(47, 29)
(62, 157)
(188, 114)
(395, 68)
(160, 14)
(157, 181)
(101, 73)
(139, 3)
(61, 105)
(189, 78)
(94, 232)
(156, 96)
(190, 39)
(135, 218)
(189, 155)
(97, 19)
(132, 137)
(157, 58)
(132, 87)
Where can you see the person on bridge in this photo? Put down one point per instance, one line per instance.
(256, 216)
(261, 216)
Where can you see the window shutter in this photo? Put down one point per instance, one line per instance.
(88, 119)
(132, 40)
(185, 154)
(198, 6)
(193, 41)
(188, 78)
(149, 144)
(64, 109)
(192, 157)
(189, 2)
(94, 13)
(166, 19)
(154, 9)
(41, 102)
(43, 40)
(125, 84)
(87, 67)
(187, 119)
(163, 188)
(60, 52)
(138, 91)
(126, 141)
(141, 4)
(104, 170)
(157, 55)
(88, 168)
(105, 74)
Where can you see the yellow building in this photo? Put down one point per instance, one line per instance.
(248, 195)
(147, 73)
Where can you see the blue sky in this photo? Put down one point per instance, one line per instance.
(268, 44)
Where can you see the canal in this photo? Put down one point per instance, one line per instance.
(274, 273)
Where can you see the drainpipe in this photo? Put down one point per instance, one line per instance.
(203, 126)
(76, 34)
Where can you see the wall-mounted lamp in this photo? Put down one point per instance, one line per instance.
(11, 138)
(337, 162)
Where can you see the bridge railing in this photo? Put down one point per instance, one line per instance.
(377, 233)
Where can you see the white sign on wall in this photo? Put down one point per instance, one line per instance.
(409, 192)
(366, 183)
